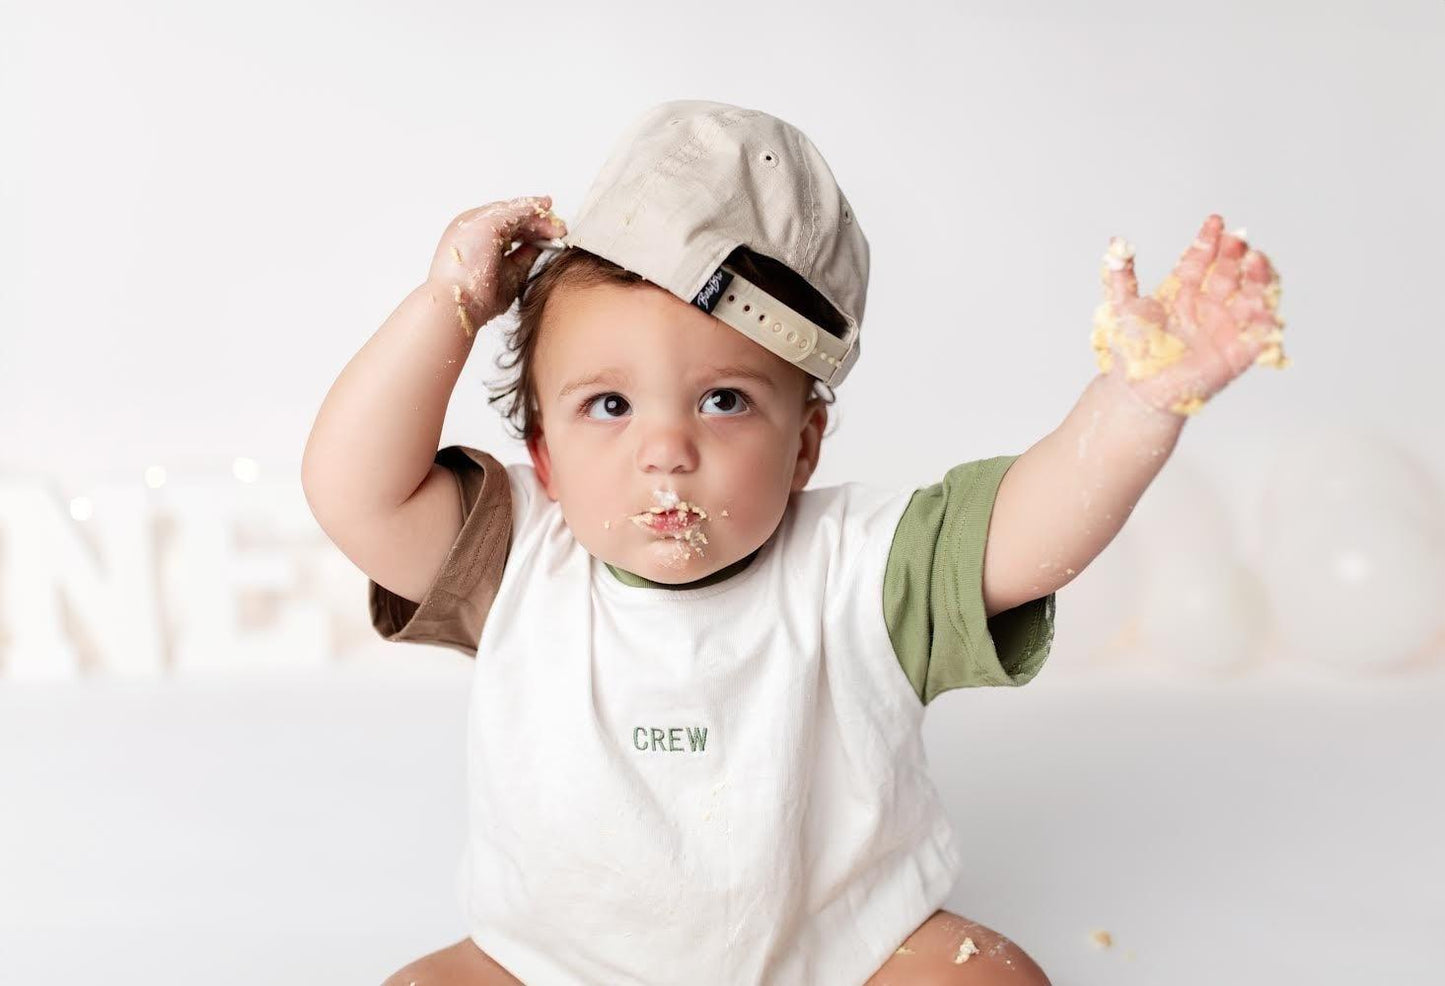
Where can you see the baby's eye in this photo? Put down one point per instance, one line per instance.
(609, 401)
(733, 402)
(732, 399)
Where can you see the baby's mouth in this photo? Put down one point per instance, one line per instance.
(670, 520)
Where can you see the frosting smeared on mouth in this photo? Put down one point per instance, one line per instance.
(676, 518)
(668, 503)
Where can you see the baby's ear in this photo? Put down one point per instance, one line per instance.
(810, 448)
(541, 462)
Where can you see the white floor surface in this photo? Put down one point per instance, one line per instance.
(305, 829)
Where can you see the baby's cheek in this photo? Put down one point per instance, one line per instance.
(589, 522)
(745, 519)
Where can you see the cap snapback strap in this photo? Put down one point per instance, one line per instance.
(774, 326)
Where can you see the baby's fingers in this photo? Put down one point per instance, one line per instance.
(506, 218)
(515, 268)
(536, 228)
(1256, 335)
(1221, 277)
(493, 211)
(1260, 277)
(1201, 253)
(1253, 307)
(1183, 287)
(1117, 273)
(534, 220)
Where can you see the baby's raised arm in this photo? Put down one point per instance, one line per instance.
(1161, 358)
(368, 470)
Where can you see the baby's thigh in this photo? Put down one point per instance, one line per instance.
(928, 957)
(462, 964)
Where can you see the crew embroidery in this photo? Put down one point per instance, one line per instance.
(655, 740)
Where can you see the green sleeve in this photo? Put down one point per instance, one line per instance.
(933, 591)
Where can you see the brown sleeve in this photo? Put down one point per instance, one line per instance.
(454, 607)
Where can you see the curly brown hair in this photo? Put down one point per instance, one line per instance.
(576, 267)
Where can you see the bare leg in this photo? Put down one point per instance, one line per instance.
(462, 964)
(930, 957)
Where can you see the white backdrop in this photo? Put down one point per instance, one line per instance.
(205, 211)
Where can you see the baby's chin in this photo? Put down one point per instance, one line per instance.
(674, 561)
(668, 559)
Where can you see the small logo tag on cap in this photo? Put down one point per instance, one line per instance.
(707, 298)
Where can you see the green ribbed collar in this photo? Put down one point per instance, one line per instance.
(629, 578)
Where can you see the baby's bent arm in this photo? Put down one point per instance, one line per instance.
(1062, 502)
(370, 471)
(375, 437)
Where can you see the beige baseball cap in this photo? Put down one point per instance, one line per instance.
(690, 181)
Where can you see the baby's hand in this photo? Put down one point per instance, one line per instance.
(1210, 319)
(472, 261)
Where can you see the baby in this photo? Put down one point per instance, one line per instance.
(694, 736)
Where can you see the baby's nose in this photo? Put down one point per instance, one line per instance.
(667, 449)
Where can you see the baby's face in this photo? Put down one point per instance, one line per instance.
(692, 414)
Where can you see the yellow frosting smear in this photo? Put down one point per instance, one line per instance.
(1168, 290)
(1189, 406)
(1144, 355)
